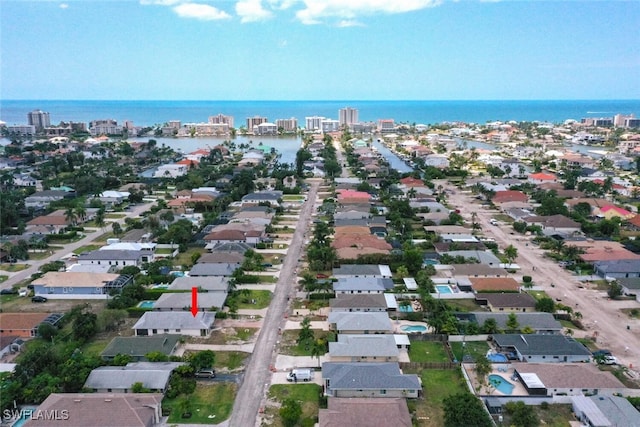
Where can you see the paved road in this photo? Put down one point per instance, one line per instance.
(600, 315)
(88, 239)
(257, 374)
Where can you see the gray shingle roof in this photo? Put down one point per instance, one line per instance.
(175, 320)
(368, 376)
(180, 301)
(362, 284)
(213, 269)
(114, 255)
(139, 346)
(361, 321)
(357, 345)
(123, 377)
(537, 321)
(358, 301)
(535, 345)
(362, 270)
(208, 283)
(618, 266)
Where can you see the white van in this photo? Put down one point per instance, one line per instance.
(493, 221)
(302, 374)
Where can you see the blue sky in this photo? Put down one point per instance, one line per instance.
(319, 49)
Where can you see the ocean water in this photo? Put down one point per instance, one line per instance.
(148, 113)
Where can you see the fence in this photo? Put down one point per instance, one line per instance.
(429, 365)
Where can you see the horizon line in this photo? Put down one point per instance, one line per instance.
(327, 100)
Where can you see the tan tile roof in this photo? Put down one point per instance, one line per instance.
(362, 411)
(572, 375)
(21, 321)
(56, 279)
(482, 284)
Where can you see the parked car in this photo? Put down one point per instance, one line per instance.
(601, 353)
(38, 298)
(610, 360)
(10, 291)
(303, 374)
(206, 373)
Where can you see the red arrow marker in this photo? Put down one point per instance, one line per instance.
(194, 301)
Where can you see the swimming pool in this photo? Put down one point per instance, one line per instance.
(414, 328)
(160, 287)
(146, 304)
(178, 273)
(497, 357)
(444, 289)
(405, 308)
(502, 385)
(430, 261)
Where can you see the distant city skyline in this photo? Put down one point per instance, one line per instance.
(319, 50)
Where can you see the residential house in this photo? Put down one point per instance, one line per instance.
(175, 322)
(208, 284)
(611, 211)
(509, 196)
(207, 301)
(566, 379)
(509, 302)
(478, 270)
(538, 348)
(207, 270)
(271, 197)
(359, 303)
(137, 347)
(617, 269)
(630, 287)
(555, 224)
(99, 409)
(49, 224)
(541, 323)
(606, 411)
(113, 198)
(542, 178)
(362, 270)
(344, 322)
(116, 257)
(25, 325)
(364, 348)
(42, 199)
(154, 376)
(483, 257)
(83, 285)
(372, 380)
(365, 412)
(362, 285)
(494, 284)
(171, 170)
(439, 161)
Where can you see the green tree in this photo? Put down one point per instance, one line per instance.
(138, 387)
(202, 359)
(156, 356)
(615, 290)
(490, 326)
(482, 368)
(121, 359)
(290, 412)
(117, 228)
(85, 325)
(546, 305)
(318, 349)
(521, 415)
(511, 253)
(306, 333)
(512, 322)
(465, 410)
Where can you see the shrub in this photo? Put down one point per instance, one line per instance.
(526, 279)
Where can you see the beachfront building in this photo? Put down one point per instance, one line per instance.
(347, 116)
(287, 125)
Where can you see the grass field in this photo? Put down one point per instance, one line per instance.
(307, 394)
(463, 305)
(437, 384)
(290, 347)
(261, 298)
(86, 248)
(230, 360)
(471, 348)
(12, 268)
(211, 403)
(427, 351)
(3, 278)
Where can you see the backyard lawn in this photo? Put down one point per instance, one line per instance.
(211, 403)
(437, 384)
(231, 360)
(290, 347)
(471, 349)
(254, 300)
(427, 351)
(307, 394)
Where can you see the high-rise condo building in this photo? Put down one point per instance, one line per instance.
(313, 123)
(221, 119)
(39, 119)
(255, 121)
(288, 125)
(347, 116)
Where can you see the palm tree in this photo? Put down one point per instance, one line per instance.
(511, 253)
(81, 212)
(70, 216)
(319, 348)
(99, 219)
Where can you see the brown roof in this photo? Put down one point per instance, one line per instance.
(49, 220)
(521, 300)
(593, 202)
(20, 321)
(98, 409)
(365, 412)
(571, 375)
(553, 221)
(483, 284)
(608, 254)
(509, 196)
(635, 221)
(360, 241)
(225, 235)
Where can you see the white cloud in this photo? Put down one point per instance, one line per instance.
(203, 12)
(64, 6)
(316, 11)
(252, 11)
(349, 23)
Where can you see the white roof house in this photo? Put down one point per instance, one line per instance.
(174, 322)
